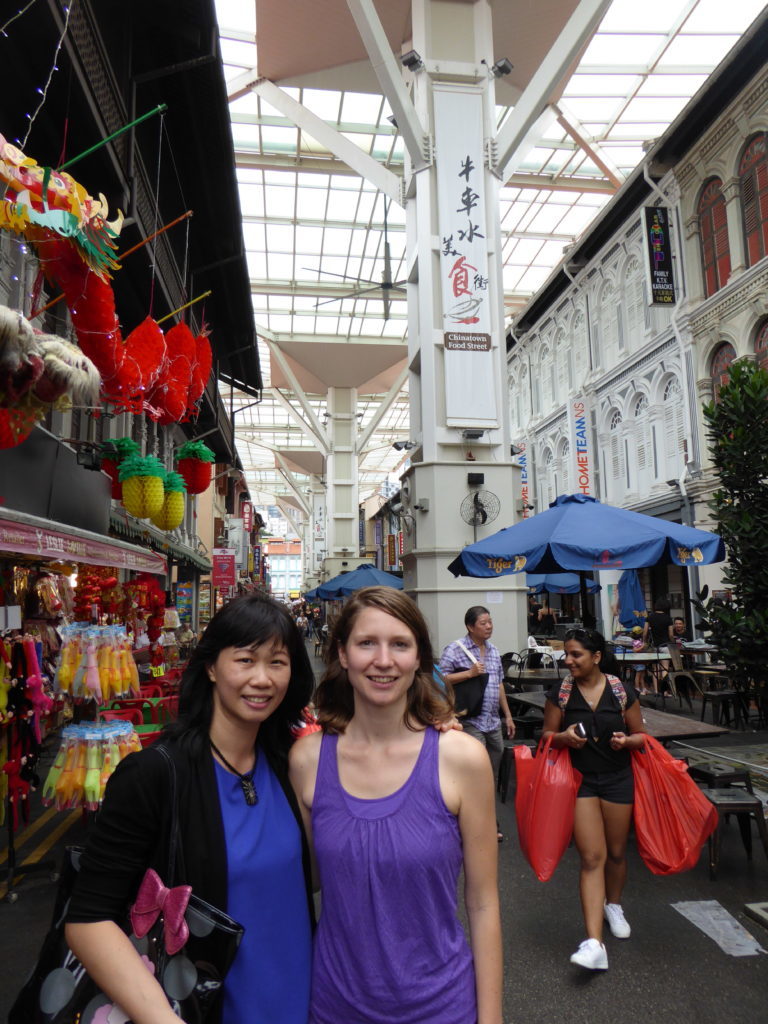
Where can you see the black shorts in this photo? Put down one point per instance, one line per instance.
(616, 787)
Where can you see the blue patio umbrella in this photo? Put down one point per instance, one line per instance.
(558, 583)
(579, 533)
(311, 595)
(632, 610)
(363, 576)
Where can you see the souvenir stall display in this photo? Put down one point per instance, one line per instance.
(88, 755)
(96, 663)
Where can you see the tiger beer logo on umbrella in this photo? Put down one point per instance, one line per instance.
(500, 565)
(688, 554)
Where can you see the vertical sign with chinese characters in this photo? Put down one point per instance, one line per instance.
(470, 379)
(658, 245)
(247, 510)
(391, 551)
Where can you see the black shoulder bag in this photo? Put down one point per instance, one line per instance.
(190, 944)
(468, 695)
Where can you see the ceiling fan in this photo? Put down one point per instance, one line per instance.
(386, 286)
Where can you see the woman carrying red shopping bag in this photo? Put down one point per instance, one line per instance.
(599, 720)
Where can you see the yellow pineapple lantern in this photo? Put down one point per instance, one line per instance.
(172, 512)
(143, 491)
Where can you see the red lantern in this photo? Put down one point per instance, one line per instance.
(196, 473)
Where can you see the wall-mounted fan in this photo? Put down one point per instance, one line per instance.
(479, 508)
(386, 286)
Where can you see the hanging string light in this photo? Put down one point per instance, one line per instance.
(18, 14)
(55, 67)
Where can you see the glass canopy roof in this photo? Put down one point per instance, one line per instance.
(643, 64)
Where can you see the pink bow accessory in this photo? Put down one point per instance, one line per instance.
(154, 899)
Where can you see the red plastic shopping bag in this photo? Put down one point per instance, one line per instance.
(673, 818)
(544, 803)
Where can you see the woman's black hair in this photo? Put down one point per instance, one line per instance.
(244, 622)
(473, 614)
(662, 605)
(595, 642)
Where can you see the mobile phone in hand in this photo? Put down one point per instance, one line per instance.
(580, 730)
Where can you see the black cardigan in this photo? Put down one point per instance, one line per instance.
(131, 834)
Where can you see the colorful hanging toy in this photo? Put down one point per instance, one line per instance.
(142, 480)
(172, 512)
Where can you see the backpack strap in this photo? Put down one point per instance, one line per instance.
(565, 692)
(618, 692)
(615, 683)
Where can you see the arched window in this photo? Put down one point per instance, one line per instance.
(525, 396)
(566, 485)
(563, 367)
(549, 477)
(721, 360)
(579, 342)
(761, 345)
(643, 446)
(753, 178)
(546, 378)
(713, 236)
(674, 427)
(634, 303)
(609, 326)
(617, 466)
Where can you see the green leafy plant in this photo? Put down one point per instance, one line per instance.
(737, 431)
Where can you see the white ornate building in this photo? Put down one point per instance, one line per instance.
(606, 390)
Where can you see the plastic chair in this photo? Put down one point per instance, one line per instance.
(166, 710)
(151, 690)
(146, 708)
(132, 715)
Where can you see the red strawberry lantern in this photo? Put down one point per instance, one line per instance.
(195, 461)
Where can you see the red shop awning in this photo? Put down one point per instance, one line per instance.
(29, 535)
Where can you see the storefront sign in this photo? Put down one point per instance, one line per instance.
(184, 602)
(247, 510)
(581, 446)
(525, 494)
(224, 572)
(391, 550)
(658, 245)
(470, 380)
(257, 560)
(46, 543)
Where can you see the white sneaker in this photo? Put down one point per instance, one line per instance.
(592, 955)
(614, 915)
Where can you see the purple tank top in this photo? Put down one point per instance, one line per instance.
(389, 946)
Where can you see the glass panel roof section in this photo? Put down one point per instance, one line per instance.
(315, 238)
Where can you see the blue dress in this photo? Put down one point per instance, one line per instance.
(269, 981)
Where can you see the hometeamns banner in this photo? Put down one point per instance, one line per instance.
(470, 377)
(581, 446)
(525, 487)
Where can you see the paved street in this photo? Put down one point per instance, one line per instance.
(667, 971)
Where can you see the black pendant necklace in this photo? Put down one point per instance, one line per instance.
(245, 779)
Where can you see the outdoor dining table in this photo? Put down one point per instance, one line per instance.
(660, 724)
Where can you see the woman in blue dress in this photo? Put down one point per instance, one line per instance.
(241, 836)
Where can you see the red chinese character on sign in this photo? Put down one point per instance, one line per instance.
(459, 273)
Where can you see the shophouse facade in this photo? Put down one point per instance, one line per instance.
(606, 388)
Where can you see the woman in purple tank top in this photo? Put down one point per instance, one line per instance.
(397, 809)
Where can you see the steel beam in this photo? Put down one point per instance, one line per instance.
(577, 31)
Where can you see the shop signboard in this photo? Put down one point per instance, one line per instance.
(224, 572)
(391, 550)
(247, 510)
(257, 560)
(48, 544)
(658, 247)
(184, 602)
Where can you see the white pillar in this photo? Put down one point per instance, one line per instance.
(342, 473)
(732, 193)
(452, 214)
